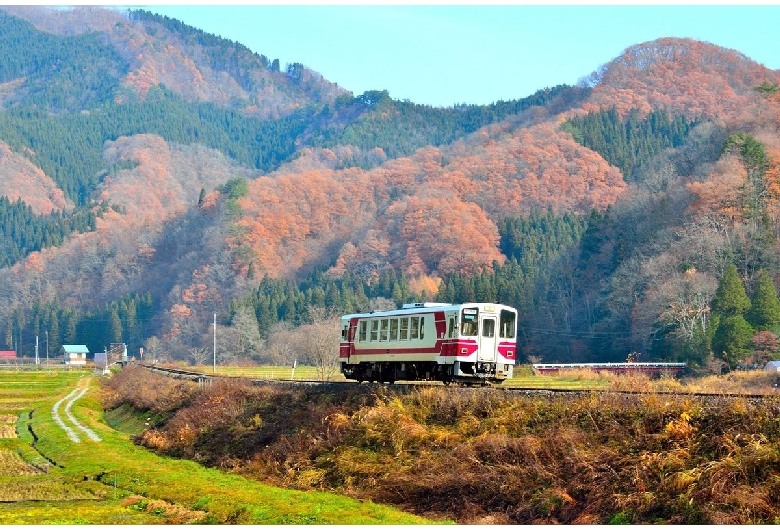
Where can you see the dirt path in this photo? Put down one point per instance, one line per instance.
(69, 400)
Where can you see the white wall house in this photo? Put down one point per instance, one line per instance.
(75, 353)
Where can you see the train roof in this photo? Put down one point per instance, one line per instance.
(424, 307)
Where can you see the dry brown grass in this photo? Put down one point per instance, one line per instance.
(484, 455)
(171, 513)
(752, 382)
(13, 465)
(7, 426)
(748, 382)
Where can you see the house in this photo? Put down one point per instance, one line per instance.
(772, 366)
(75, 353)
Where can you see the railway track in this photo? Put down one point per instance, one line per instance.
(205, 379)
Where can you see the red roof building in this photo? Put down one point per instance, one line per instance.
(7, 354)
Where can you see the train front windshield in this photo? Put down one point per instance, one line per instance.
(469, 322)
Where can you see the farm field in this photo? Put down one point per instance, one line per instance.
(61, 463)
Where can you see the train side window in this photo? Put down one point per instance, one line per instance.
(507, 324)
(414, 332)
(422, 327)
(362, 332)
(393, 329)
(451, 327)
(488, 327)
(404, 335)
(374, 330)
(383, 331)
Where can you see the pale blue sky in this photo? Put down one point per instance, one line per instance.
(446, 54)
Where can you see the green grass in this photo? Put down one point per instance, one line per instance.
(22, 390)
(116, 482)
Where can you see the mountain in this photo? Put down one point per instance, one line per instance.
(157, 175)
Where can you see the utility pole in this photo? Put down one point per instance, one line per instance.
(47, 347)
(215, 343)
(36, 350)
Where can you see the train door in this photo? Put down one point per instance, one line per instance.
(488, 345)
(352, 336)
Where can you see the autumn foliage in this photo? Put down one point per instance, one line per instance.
(168, 224)
(684, 76)
(23, 180)
(431, 213)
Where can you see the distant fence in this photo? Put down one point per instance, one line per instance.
(618, 368)
(29, 364)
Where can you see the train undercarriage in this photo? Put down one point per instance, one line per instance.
(467, 373)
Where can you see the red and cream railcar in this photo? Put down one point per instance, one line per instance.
(468, 343)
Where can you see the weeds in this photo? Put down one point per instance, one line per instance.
(483, 455)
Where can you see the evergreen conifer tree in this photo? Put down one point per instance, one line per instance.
(730, 297)
(731, 338)
(764, 314)
(731, 341)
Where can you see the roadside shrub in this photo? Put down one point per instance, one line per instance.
(147, 391)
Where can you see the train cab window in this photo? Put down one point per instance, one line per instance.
(404, 332)
(414, 332)
(451, 326)
(374, 330)
(362, 331)
(507, 324)
(468, 322)
(383, 331)
(393, 329)
(344, 333)
(488, 328)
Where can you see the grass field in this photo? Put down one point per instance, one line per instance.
(109, 480)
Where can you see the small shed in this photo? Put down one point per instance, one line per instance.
(75, 353)
(772, 366)
(7, 354)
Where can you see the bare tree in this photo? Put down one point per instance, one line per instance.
(240, 340)
(281, 346)
(245, 337)
(321, 342)
(152, 346)
(225, 345)
(199, 356)
(381, 303)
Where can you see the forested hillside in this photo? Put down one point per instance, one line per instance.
(153, 175)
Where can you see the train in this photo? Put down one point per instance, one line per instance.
(468, 343)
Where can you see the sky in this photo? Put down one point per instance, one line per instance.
(447, 54)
